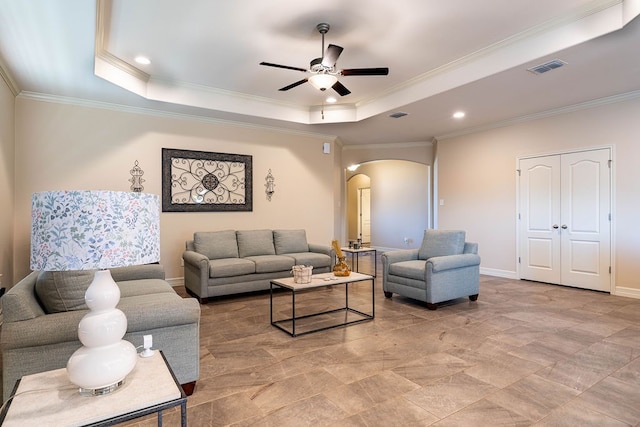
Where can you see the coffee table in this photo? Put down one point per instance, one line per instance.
(321, 281)
(49, 398)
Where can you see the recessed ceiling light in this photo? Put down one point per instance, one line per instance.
(143, 60)
(331, 100)
(398, 114)
(458, 114)
(352, 168)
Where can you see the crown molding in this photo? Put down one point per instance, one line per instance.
(418, 144)
(8, 79)
(56, 99)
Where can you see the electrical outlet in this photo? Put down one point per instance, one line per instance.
(406, 241)
(181, 262)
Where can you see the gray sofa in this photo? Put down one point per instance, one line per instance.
(41, 315)
(444, 268)
(228, 262)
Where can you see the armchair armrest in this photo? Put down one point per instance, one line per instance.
(391, 257)
(449, 262)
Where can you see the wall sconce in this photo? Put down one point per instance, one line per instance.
(269, 185)
(136, 178)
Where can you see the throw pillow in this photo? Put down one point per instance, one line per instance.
(60, 291)
(255, 242)
(290, 241)
(216, 244)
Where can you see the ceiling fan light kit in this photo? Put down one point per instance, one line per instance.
(323, 70)
(323, 81)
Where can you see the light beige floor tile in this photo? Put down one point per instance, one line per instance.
(450, 394)
(533, 397)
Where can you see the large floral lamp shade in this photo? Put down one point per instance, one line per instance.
(96, 230)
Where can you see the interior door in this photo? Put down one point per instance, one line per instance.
(585, 228)
(540, 219)
(565, 227)
(364, 215)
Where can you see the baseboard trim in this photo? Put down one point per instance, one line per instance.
(175, 282)
(623, 291)
(499, 273)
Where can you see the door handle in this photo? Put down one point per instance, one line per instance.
(555, 226)
(564, 226)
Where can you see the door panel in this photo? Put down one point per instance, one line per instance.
(540, 211)
(585, 212)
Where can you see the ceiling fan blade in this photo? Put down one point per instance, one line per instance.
(292, 85)
(331, 55)
(269, 64)
(365, 72)
(339, 87)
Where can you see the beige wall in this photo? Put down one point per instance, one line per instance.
(60, 146)
(399, 202)
(7, 102)
(477, 181)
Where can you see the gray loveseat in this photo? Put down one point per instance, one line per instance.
(227, 262)
(445, 267)
(41, 315)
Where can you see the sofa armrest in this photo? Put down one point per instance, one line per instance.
(20, 303)
(450, 262)
(43, 330)
(322, 249)
(196, 273)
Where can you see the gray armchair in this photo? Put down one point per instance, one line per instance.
(444, 268)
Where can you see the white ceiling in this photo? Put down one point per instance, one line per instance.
(443, 56)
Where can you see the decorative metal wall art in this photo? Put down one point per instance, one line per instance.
(199, 181)
(136, 179)
(269, 185)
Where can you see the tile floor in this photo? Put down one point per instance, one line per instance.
(524, 354)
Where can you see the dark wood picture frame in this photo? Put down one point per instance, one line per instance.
(201, 181)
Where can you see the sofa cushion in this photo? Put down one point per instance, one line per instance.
(290, 241)
(311, 259)
(130, 288)
(216, 244)
(413, 269)
(255, 242)
(441, 243)
(272, 263)
(63, 290)
(228, 267)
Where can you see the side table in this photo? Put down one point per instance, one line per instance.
(356, 253)
(50, 399)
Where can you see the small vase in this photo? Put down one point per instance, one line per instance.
(341, 269)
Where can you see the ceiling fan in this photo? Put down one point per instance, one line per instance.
(323, 70)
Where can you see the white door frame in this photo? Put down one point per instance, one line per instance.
(612, 253)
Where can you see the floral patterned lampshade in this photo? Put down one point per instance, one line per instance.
(87, 230)
(84, 230)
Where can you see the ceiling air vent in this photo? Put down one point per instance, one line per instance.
(398, 114)
(547, 66)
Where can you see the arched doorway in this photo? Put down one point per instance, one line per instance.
(400, 203)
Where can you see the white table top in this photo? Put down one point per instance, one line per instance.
(50, 399)
(324, 279)
(361, 249)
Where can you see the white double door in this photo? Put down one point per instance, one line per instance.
(565, 219)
